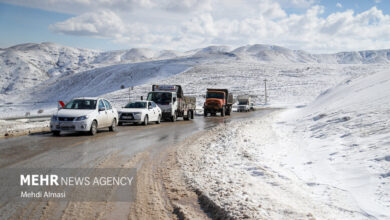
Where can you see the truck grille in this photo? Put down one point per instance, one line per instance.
(212, 105)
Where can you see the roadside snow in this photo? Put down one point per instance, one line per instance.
(344, 141)
(329, 160)
(22, 127)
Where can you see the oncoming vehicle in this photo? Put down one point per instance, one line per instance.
(218, 100)
(84, 115)
(245, 103)
(172, 102)
(140, 112)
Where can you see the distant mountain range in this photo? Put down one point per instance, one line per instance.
(27, 66)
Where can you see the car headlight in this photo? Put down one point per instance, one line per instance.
(54, 118)
(81, 118)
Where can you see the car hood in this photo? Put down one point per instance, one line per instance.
(130, 110)
(74, 112)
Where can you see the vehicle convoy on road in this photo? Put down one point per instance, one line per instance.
(85, 115)
(140, 112)
(245, 103)
(173, 103)
(218, 100)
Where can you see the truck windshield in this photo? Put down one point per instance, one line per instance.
(163, 98)
(243, 102)
(215, 95)
(81, 104)
(136, 105)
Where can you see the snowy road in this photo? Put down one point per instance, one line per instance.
(106, 149)
(79, 150)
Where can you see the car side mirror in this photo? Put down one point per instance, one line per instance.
(150, 107)
(101, 109)
(174, 99)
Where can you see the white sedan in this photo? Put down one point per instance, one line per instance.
(84, 114)
(140, 112)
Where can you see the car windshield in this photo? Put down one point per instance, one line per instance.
(163, 98)
(136, 105)
(215, 95)
(243, 102)
(81, 104)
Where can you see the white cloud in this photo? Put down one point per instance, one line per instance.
(339, 5)
(188, 24)
(98, 24)
(186, 5)
(298, 3)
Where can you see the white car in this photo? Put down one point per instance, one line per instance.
(84, 114)
(140, 112)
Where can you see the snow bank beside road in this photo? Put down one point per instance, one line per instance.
(240, 172)
(22, 126)
(343, 140)
(329, 160)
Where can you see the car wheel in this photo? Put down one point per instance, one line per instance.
(56, 133)
(146, 120)
(158, 120)
(93, 129)
(113, 125)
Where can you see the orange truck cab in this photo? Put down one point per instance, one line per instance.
(218, 100)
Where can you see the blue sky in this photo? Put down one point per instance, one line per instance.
(24, 25)
(312, 25)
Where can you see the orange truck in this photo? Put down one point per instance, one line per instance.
(218, 100)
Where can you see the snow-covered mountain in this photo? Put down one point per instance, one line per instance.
(280, 54)
(27, 65)
(47, 72)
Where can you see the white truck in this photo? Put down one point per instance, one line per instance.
(172, 102)
(245, 103)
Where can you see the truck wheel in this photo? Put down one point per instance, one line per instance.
(146, 120)
(120, 123)
(192, 114)
(56, 133)
(93, 129)
(223, 112)
(205, 114)
(229, 111)
(173, 118)
(187, 117)
(113, 125)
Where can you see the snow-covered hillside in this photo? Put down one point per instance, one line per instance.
(328, 160)
(27, 65)
(35, 76)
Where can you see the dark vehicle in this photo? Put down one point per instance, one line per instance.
(218, 100)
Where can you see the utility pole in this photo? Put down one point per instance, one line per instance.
(265, 91)
(130, 89)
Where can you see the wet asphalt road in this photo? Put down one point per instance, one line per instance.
(79, 150)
